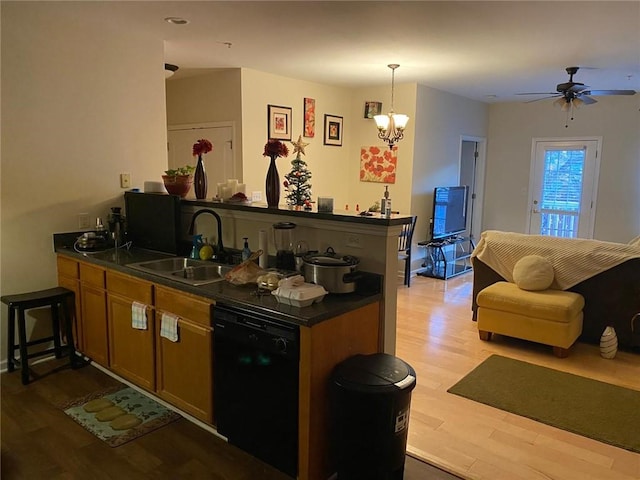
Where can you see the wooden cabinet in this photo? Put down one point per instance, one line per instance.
(185, 367)
(69, 277)
(93, 300)
(322, 347)
(131, 350)
(181, 372)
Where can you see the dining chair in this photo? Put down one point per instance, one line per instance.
(404, 248)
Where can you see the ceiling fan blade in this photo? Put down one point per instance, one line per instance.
(609, 92)
(538, 93)
(577, 88)
(542, 98)
(587, 100)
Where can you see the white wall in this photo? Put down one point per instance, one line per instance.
(441, 121)
(365, 134)
(512, 126)
(81, 103)
(326, 163)
(214, 96)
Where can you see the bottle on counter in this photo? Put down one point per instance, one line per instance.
(385, 203)
(195, 249)
(246, 252)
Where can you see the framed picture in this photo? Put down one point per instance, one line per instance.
(309, 117)
(333, 130)
(279, 122)
(378, 164)
(372, 109)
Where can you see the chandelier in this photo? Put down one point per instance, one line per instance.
(391, 126)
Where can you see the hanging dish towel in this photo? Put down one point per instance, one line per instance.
(139, 316)
(169, 326)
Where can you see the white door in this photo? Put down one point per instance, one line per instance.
(563, 187)
(472, 168)
(218, 164)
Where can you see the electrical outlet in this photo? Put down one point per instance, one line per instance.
(125, 180)
(256, 196)
(83, 221)
(352, 240)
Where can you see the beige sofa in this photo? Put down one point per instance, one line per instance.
(606, 274)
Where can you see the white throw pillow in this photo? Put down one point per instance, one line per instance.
(533, 272)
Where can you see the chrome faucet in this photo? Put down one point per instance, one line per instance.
(220, 254)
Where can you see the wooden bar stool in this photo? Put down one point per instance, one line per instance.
(56, 298)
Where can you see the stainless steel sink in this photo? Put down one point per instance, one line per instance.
(185, 270)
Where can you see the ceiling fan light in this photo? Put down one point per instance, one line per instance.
(577, 103)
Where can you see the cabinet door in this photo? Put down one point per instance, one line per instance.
(68, 277)
(94, 323)
(131, 351)
(185, 369)
(74, 285)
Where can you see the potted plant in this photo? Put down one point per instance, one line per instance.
(178, 181)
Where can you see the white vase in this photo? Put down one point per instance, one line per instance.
(608, 343)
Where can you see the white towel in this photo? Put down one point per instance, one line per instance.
(169, 326)
(139, 316)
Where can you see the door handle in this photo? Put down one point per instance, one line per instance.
(535, 209)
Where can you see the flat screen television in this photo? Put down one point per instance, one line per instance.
(449, 211)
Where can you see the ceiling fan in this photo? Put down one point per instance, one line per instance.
(574, 93)
(570, 95)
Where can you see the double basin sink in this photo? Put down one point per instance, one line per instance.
(186, 270)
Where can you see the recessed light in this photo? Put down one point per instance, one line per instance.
(176, 20)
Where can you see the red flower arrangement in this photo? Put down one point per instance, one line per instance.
(275, 148)
(202, 146)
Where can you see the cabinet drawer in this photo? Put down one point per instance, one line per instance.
(197, 309)
(67, 267)
(130, 287)
(92, 275)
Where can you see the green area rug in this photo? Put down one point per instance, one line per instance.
(118, 415)
(590, 408)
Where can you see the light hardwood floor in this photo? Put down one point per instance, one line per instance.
(438, 339)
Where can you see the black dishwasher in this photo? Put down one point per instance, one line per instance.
(256, 385)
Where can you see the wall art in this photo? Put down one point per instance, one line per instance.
(372, 109)
(309, 117)
(333, 130)
(378, 164)
(278, 122)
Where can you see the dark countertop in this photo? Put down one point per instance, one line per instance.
(223, 292)
(337, 215)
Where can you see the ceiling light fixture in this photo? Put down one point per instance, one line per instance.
(169, 70)
(391, 126)
(176, 20)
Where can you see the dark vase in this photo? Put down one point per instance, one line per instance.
(272, 184)
(200, 180)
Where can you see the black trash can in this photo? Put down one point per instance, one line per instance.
(371, 399)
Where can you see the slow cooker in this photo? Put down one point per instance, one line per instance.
(335, 272)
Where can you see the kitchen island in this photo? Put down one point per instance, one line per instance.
(181, 372)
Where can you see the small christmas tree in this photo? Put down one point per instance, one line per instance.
(297, 180)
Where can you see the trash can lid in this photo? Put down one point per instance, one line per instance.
(378, 372)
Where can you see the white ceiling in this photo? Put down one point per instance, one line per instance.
(475, 49)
